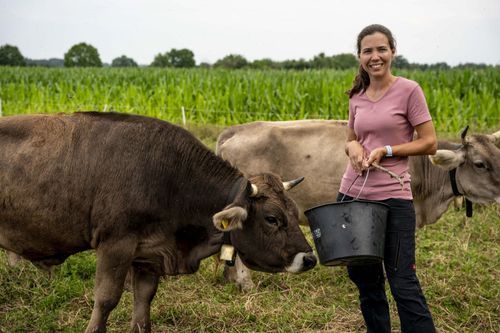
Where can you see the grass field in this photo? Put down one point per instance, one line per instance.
(457, 258)
(457, 261)
(457, 265)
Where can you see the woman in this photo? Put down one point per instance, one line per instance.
(384, 112)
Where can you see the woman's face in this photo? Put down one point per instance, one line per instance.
(376, 55)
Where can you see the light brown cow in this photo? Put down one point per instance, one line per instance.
(310, 148)
(315, 149)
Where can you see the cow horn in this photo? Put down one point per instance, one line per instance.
(292, 183)
(255, 190)
(464, 133)
(496, 137)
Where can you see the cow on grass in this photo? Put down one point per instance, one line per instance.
(315, 149)
(146, 195)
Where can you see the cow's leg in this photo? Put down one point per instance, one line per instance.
(113, 261)
(145, 285)
(128, 285)
(239, 274)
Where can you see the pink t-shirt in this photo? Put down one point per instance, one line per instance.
(388, 121)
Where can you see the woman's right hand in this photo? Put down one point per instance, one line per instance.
(357, 156)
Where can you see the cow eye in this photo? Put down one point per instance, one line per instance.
(480, 165)
(272, 220)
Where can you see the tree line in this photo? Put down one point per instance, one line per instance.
(86, 55)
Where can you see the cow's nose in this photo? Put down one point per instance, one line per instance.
(309, 261)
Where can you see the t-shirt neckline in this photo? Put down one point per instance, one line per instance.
(385, 94)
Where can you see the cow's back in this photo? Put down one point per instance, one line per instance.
(310, 148)
(65, 180)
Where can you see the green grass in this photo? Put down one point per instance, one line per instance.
(457, 265)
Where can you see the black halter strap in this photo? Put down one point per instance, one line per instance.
(235, 189)
(230, 198)
(226, 240)
(456, 192)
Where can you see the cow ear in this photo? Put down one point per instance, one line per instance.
(447, 159)
(232, 217)
(495, 138)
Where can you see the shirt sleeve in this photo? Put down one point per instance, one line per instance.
(418, 112)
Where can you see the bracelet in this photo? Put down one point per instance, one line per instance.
(389, 151)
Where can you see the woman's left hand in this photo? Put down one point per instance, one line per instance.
(424, 144)
(375, 156)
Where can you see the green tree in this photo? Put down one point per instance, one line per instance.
(439, 66)
(469, 65)
(175, 58)
(321, 61)
(339, 61)
(160, 60)
(123, 61)
(300, 64)
(344, 61)
(204, 65)
(82, 55)
(183, 58)
(265, 63)
(232, 61)
(11, 56)
(400, 62)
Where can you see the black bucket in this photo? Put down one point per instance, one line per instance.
(349, 232)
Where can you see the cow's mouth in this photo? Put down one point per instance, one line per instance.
(302, 262)
(268, 268)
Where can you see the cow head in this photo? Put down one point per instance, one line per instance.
(478, 166)
(264, 228)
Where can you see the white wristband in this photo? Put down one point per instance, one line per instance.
(389, 151)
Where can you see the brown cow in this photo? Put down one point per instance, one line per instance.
(145, 194)
(315, 149)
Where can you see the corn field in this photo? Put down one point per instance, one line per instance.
(455, 97)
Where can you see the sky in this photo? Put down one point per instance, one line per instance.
(426, 31)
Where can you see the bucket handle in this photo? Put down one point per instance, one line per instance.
(362, 187)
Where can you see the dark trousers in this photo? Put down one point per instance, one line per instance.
(399, 264)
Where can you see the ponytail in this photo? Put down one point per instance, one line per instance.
(360, 83)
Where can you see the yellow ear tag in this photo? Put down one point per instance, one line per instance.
(224, 223)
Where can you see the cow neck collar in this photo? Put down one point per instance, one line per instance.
(456, 192)
(226, 237)
(230, 198)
